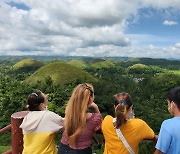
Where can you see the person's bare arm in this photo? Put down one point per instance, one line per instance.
(158, 152)
(95, 107)
(155, 139)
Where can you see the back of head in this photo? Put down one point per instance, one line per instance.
(34, 100)
(174, 95)
(122, 103)
(76, 109)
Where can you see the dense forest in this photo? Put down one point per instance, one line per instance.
(146, 80)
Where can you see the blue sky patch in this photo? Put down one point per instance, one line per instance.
(20, 6)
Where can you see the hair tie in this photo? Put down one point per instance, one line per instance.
(35, 94)
(123, 101)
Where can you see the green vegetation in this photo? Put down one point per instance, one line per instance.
(146, 80)
(60, 74)
(77, 63)
(175, 71)
(103, 64)
(27, 64)
(4, 148)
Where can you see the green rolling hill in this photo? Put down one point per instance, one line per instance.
(77, 63)
(27, 64)
(60, 73)
(103, 64)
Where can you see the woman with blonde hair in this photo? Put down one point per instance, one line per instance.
(123, 134)
(80, 125)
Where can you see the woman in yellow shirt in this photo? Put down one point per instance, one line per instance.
(134, 130)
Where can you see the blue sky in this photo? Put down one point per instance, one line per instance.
(148, 28)
(151, 22)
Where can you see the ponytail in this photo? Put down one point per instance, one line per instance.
(120, 112)
(122, 103)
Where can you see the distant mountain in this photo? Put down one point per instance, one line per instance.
(170, 64)
(60, 73)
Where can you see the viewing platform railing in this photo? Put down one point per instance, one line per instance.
(16, 132)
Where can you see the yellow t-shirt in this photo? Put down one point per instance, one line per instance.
(134, 131)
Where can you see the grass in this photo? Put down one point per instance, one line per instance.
(176, 72)
(27, 63)
(103, 64)
(60, 73)
(77, 63)
(4, 148)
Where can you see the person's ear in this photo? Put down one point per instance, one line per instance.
(41, 106)
(131, 107)
(91, 99)
(173, 104)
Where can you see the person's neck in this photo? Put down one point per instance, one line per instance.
(177, 113)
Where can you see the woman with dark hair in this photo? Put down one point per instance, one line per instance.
(122, 134)
(40, 126)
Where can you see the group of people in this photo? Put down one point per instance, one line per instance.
(122, 133)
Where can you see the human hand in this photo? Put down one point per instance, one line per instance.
(94, 106)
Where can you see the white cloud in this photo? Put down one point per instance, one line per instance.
(169, 23)
(177, 45)
(162, 4)
(76, 27)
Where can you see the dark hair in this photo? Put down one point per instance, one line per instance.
(122, 102)
(174, 95)
(34, 100)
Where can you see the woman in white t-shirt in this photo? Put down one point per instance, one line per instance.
(40, 126)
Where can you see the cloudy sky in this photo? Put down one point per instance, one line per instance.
(133, 28)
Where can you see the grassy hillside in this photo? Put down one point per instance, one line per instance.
(27, 64)
(175, 71)
(135, 66)
(60, 73)
(77, 63)
(103, 64)
(169, 64)
(90, 60)
(4, 148)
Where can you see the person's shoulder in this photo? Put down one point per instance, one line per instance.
(108, 118)
(96, 117)
(138, 121)
(168, 122)
(107, 123)
(52, 114)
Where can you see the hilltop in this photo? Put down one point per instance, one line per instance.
(77, 63)
(60, 73)
(103, 64)
(27, 64)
